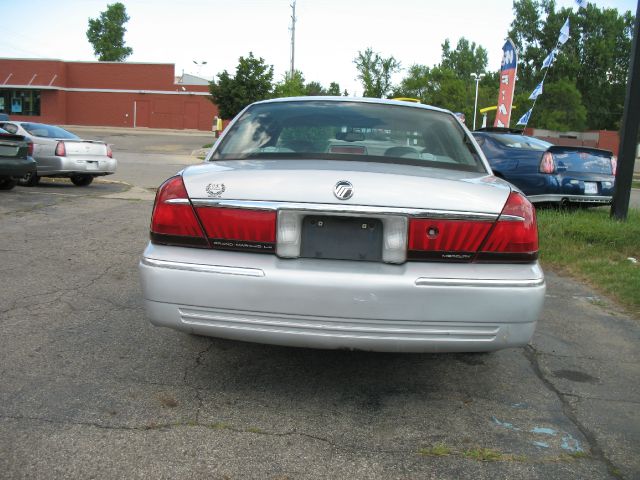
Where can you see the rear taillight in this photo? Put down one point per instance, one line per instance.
(173, 221)
(176, 222)
(512, 238)
(30, 149)
(109, 152)
(547, 164)
(515, 235)
(61, 150)
(239, 229)
(449, 240)
(614, 164)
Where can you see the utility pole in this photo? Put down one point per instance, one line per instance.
(293, 38)
(629, 134)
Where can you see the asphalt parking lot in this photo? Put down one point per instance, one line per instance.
(89, 389)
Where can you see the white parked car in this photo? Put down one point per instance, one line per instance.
(59, 153)
(331, 222)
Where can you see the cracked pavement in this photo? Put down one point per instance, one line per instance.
(89, 389)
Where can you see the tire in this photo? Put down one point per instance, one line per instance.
(7, 183)
(31, 179)
(81, 180)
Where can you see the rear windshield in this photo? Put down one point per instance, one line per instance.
(350, 131)
(521, 141)
(47, 131)
(584, 161)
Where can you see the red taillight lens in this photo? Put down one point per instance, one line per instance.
(61, 150)
(109, 152)
(30, 149)
(512, 238)
(547, 164)
(173, 221)
(515, 235)
(614, 164)
(450, 240)
(239, 229)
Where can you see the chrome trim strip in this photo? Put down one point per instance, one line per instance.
(342, 208)
(178, 201)
(557, 197)
(479, 282)
(199, 268)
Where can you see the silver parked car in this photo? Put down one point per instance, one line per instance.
(331, 222)
(59, 153)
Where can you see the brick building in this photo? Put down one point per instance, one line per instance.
(104, 93)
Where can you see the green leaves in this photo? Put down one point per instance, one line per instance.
(375, 73)
(251, 83)
(106, 34)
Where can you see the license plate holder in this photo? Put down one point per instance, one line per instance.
(590, 188)
(342, 238)
(92, 165)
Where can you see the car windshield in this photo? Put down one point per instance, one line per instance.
(47, 131)
(522, 141)
(344, 130)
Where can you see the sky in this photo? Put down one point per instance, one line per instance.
(329, 33)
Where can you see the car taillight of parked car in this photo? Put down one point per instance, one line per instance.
(176, 222)
(512, 238)
(61, 150)
(614, 164)
(547, 164)
(109, 152)
(30, 149)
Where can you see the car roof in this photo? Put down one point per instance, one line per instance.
(379, 101)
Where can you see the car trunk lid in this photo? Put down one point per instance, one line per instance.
(85, 147)
(374, 184)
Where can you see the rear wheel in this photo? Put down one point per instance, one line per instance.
(31, 179)
(7, 183)
(81, 180)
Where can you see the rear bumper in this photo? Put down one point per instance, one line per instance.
(16, 167)
(75, 164)
(414, 307)
(560, 198)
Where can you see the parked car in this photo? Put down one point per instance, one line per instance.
(59, 153)
(299, 229)
(549, 173)
(15, 159)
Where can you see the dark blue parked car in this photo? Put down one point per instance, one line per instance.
(548, 173)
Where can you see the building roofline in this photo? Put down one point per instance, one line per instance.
(84, 61)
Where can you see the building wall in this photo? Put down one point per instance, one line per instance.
(134, 94)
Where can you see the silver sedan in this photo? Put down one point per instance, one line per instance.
(345, 223)
(60, 153)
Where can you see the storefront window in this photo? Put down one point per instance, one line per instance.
(20, 102)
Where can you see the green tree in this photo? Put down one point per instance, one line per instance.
(560, 108)
(106, 34)
(291, 86)
(334, 89)
(251, 83)
(449, 84)
(596, 55)
(375, 72)
(467, 58)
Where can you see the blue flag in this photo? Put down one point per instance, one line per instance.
(564, 33)
(536, 92)
(524, 119)
(582, 3)
(550, 58)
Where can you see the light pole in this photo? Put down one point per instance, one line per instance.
(200, 64)
(477, 77)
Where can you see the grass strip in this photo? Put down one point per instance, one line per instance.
(590, 246)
